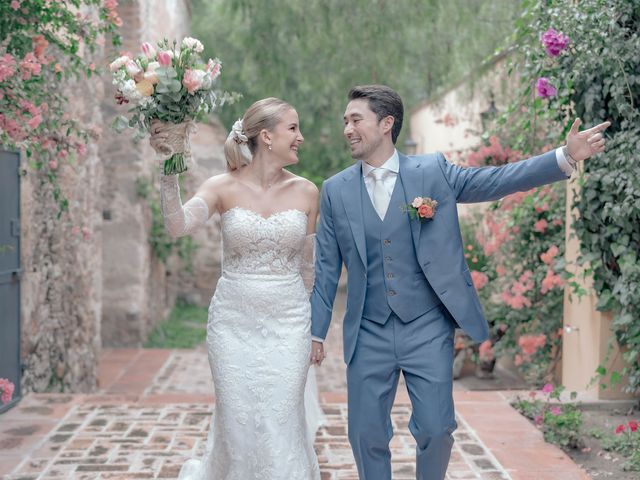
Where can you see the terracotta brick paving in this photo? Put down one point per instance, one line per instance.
(153, 409)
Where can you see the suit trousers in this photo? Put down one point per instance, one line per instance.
(423, 351)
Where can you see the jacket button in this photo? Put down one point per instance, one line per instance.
(391, 293)
(386, 242)
(387, 258)
(389, 275)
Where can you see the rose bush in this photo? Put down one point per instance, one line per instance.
(43, 44)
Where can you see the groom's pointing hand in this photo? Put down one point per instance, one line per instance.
(582, 145)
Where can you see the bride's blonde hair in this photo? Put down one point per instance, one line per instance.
(242, 142)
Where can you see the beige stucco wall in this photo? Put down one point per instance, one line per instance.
(451, 123)
(587, 341)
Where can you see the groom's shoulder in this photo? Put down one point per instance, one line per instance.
(342, 175)
(426, 160)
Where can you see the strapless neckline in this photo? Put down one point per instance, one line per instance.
(269, 217)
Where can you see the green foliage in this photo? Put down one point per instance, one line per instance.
(311, 52)
(597, 79)
(162, 245)
(186, 327)
(560, 422)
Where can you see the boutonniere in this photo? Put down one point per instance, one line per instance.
(422, 208)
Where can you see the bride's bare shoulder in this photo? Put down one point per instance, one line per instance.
(219, 181)
(302, 184)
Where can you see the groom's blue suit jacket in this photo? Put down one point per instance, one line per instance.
(437, 242)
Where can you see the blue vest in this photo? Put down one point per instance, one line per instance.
(395, 282)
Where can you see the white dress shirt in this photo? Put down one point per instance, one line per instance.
(392, 165)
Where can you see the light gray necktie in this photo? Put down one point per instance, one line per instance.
(379, 194)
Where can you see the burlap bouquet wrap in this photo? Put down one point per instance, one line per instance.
(174, 146)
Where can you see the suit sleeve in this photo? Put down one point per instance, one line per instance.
(486, 184)
(328, 269)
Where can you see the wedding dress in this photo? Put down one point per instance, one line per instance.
(259, 345)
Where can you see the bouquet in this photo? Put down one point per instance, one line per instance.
(170, 84)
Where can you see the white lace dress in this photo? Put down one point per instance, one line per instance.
(259, 342)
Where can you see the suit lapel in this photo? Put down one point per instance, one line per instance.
(352, 201)
(413, 184)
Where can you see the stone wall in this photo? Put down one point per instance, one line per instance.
(62, 263)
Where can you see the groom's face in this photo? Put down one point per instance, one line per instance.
(363, 131)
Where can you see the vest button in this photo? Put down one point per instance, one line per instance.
(386, 242)
(391, 293)
(387, 258)
(389, 275)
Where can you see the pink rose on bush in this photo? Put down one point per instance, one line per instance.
(548, 388)
(7, 388)
(530, 344)
(556, 410)
(549, 255)
(486, 351)
(550, 281)
(479, 279)
(30, 66)
(554, 42)
(541, 226)
(35, 121)
(7, 66)
(545, 89)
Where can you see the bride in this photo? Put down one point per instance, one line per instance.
(258, 334)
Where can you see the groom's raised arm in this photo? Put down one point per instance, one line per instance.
(486, 184)
(328, 269)
(492, 183)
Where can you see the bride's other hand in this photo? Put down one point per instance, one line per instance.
(317, 353)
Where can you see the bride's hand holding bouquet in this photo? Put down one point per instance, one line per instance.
(168, 87)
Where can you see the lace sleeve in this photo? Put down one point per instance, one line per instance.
(307, 266)
(179, 219)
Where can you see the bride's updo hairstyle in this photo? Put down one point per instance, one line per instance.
(242, 142)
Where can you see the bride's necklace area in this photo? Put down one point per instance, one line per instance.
(275, 181)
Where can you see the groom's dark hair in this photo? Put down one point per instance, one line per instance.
(383, 101)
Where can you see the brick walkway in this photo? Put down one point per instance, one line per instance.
(153, 412)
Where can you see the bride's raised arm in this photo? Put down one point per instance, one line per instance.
(179, 219)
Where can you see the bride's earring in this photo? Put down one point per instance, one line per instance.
(269, 147)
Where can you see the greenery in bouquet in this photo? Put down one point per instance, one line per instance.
(170, 83)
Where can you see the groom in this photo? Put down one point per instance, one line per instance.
(408, 284)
